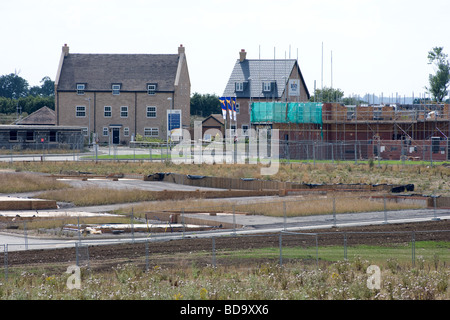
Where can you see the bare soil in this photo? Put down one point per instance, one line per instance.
(177, 252)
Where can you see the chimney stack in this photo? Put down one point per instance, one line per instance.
(181, 49)
(242, 55)
(65, 50)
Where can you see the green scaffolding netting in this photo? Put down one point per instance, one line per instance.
(282, 112)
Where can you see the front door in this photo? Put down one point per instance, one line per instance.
(116, 135)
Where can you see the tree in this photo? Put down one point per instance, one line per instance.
(13, 86)
(327, 95)
(439, 81)
(204, 104)
(47, 88)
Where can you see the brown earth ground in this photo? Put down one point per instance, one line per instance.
(187, 251)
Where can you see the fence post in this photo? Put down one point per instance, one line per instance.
(332, 154)
(234, 219)
(214, 252)
(182, 221)
(334, 211)
(146, 256)
(385, 210)
(25, 234)
(79, 231)
(413, 248)
(435, 218)
(5, 260)
(345, 245)
(280, 245)
(76, 254)
(284, 214)
(314, 153)
(132, 224)
(317, 250)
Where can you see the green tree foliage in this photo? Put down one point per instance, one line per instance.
(327, 95)
(47, 88)
(204, 104)
(13, 86)
(16, 95)
(440, 80)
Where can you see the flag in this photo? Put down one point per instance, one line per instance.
(233, 102)
(229, 107)
(224, 107)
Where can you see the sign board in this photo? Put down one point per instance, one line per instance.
(173, 123)
(294, 87)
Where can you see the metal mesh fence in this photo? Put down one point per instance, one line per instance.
(282, 248)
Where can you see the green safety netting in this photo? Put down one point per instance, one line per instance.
(282, 112)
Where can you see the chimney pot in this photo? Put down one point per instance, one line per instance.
(181, 49)
(242, 55)
(65, 50)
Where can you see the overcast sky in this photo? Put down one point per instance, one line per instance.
(376, 46)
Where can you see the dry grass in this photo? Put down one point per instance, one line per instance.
(427, 179)
(295, 206)
(98, 196)
(16, 182)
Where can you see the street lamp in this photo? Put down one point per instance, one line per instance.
(89, 125)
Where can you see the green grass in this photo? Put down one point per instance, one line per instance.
(128, 157)
(296, 280)
(424, 250)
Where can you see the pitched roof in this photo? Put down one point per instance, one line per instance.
(132, 71)
(42, 116)
(217, 117)
(271, 70)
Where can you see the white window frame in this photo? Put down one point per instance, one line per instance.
(239, 86)
(267, 86)
(151, 132)
(79, 110)
(105, 131)
(151, 89)
(105, 111)
(126, 131)
(124, 111)
(148, 111)
(80, 89)
(116, 89)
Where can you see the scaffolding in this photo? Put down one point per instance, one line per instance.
(286, 112)
(395, 131)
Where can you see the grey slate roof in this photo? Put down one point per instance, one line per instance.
(277, 70)
(132, 71)
(42, 116)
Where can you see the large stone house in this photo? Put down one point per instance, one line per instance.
(115, 97)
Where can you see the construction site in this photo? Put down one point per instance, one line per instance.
(332, 131)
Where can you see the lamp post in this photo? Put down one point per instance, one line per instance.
(89, 124)
(169, 132)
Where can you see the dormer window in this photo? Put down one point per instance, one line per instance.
(267, 86)
(239, 86)
(116, 89)
(80, 88)
(151, 89)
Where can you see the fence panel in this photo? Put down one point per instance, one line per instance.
(298, 247)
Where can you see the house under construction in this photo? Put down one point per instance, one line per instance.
(272, 94)
(334, 131)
